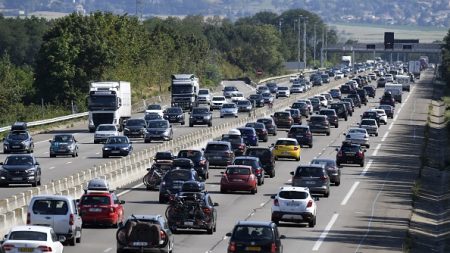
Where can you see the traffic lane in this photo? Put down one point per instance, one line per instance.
(239, 205)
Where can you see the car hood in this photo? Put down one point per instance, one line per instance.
(228, 109)
(134, 127)
(17, 167)
(106, 132)
(356, 136)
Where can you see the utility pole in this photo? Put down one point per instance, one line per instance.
(321, 50)
(298, 44)
(304, 41)
(279, 25)
(326, 43)
(314, 46)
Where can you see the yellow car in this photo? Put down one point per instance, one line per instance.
(286, 148)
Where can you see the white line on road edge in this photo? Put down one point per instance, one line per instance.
(107, 250)
(391, 125)
(325, 232)
(132, 188)
(349, 194)
(51, 168)
(375, 152)
(363, 173)
(385, 136)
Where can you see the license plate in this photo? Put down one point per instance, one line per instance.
(26, 249)
(253, 248)
(237, 180)
(115, 152)
(350, 154)
(292, 204)
(140, 243)
(285, 153)
(309, 182)
(95, 210)
(16, 178)
(188, 223)
(15, 146)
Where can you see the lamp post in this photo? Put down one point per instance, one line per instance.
(280, 22)
(304, 41)
(298, 43)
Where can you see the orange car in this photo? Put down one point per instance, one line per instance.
(238, 178)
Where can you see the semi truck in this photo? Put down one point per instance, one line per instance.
(414, 68)
(346, 61)
(109, 103)
(423, 62)
(184, 91)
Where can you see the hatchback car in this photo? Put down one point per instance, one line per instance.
(18, 141)
(200, 116)
(104, 131)
(229, 110)
(174, 179)
(382, 114)
(237, 143)
(296, 115)
(257, 100)
(260, 129)
(333, 170)
(253, 162)
(238, 178)
(101, 208)
(283, 119)
(174, 115)
(349, 107)
(286, 148)
(20, 169)
(349, 100)
(370, 125)
(319, 124)
(158, 130)
(201, 164)
(350, 153)
(249, 136)
(331, 116)
(63, 144)
(283, 91)
(315, 177)
(270, 125)
(219, 153)
(255, 236)
(389, 110)
(302, 134)
(117, 146)
(357, 136)
(294, 204)
(135, 128)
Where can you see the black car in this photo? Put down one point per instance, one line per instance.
(117, 146)
(356, 99)
(163, 156)
(387, 99)
(257, 100)
(135, 128)
(350, 153)
(174, 115)
(20, 169)
(346, 89)
(302, 134)
(319, 124)
(260, 129)
(270, 125)
(266, 158)
(302, 106)
(201, 164)
(152, 116)
(296, 115)
(371, 115)
(63, 144)
(158, 130)
(219, 153)
(273, 87)
(315, 102)
(352, 103)
(18, 141)
(370, 90)
(253, 162)
(200, 116)
(237, 143)
(348, 106)
(174, 179)
(317, 81)
(255, 236)
(340, 109)
(363, 96)
(331, 115)
(388, 109)
(333, 170)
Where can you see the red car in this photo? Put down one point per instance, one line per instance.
(238, 178)
(101, 208)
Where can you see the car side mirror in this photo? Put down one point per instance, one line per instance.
(203, 149)
(131, 142)
(273, 196)
(50, 141)
(228, 234)
(61, 238)
(37, 163)
(216, 204)
(292, 173)
(282, 237)
(121, 202)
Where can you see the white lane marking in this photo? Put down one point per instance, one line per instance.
(262, 204)
(349, 193)
(375, 152)
(325, 232)
(51, 168)
(391, 125)
(385, 136)
(107, 250)
(46, 153)
(68, 162)
(363, 173)
(132, 188)
(396, 116)
(98, 153)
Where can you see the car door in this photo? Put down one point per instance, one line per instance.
(41, 212)
(118, 206)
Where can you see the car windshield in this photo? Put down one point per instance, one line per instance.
(255, 125)
(106, 128)
(370, 114)
(283, 88)
(217, 147)
(294, 112)
(282, 115)
(229, 88)
(152, 116)
(267, 95)
(19, 160)
(190, 154)
(298, 105)
(28, 236)
(292, 195)
(135, 123)
(18, 136)
(154, 107)
(368, 122)
(248, 162)
(237, 171)
(238, 94)
(229, 106)
(218, 99)
(252, 233)
(200, 111)
(174, 110)
(244, 102)
(62, 138)
(203, 92)
(271, 85)
(50, 207)
(117, 140)
(182, 175)
(95, 200)
(158, 124)
(286, 142)
(317, 119)
(246, 131)
(327, 163)
(309, 172)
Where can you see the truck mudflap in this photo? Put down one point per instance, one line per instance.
(140, 234)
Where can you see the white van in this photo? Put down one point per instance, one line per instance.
(58, 212)
(405, 81)
(396, 90)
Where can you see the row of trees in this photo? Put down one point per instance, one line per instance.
(54, 61)
(446, 59)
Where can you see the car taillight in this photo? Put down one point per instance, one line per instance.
(308, 134)
(339, 153)
(295, 148)
(28, 218)
(45, 248)
(228, 154)
(264, 131)
(309, 203)
(163, 235)
(360, 154)
(71, 219)
(275, 202)
(290, 120)
(273, 248)
(242, 146)
(8, 247)
(202, 162)
(258, 171)
(232, 247)
(323, 178)
(206, 210)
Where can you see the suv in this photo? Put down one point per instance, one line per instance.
(217, 102)
(135, 128)
(363, 96)
(370, 90)
(219, 153)
(294, 204)
(296, 115)
(200, 116)
(249, 135)
(331, 116)
(341, 110)
(270, 125)
(201, 165)
(20, 169)
(101, 207)
(350, 153)
(159, 130)
(356, 99)
(273, 87)
(283, 119)
(315, 177)
(174, 179)
(319, 124)
(302, 106)
(302, 134)
(256, 236)
(63, 144)
(18, 141)
(237, 143)
(283, 91)
(333, 170)
(204, 96)
(59, 212)
(174, 115)
(266, 158)
(257, 100)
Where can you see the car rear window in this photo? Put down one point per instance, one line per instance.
(286, 142)
(243, 102)
(248, 162)
(327, 112)
(50, 207)
(95, 200)
(252, 233)
(182, 175)
(317, 119)
(350, 148)
(309, 172)
(282, 115)
(264, 121)
(293, 195)
(296, 130)
(238, 171)
(265, 153)
(217, 147)
(27, 236)
(189, 154)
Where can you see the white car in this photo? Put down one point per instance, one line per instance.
(217, 102)
(370, 125)
(204, 96)
(32, 239)
(237, 96)
(382, 114)
(338, 75)
(297, 88)
(292, 78)
(229, 109)
(154, 108)
(283, 91)
(104, 131)
(358, 136)
(294, 204)
(323, 100)
(389, 78)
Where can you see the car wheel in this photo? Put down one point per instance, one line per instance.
(376, 134)
(182, 123)
(259, 182)
(361, 164)
(276, 158)
(74, 154)
(191, 125)
(254, 191)
(272, 174)
(5, 151)
(95, 141)
(297, 158)
(328, 133)
(310, 145)
(338, 182)
(347, 118)
(52, 155)
(275, 134)
(209, 231)
(223, 191)
(210, 124)
(161, 199)
(312, 222)
(72, 241)
(336, 126)
(327, 194)
(78, 240)
(266, 139)
(34, 184)
(105, 156)
(368, 146)
(221, 116)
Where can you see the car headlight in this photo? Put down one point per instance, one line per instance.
(30, 171)
(124, 148)
(106, 148)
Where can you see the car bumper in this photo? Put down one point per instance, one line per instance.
(116, 153)
(157, 137)
(319, 130)
(62, 152)
(23, 179)
(359, 141)
(241, 186)
(349, 160)
(286, 154)
(219, 161)
(16, 148)
(292, 216)
(107, 220)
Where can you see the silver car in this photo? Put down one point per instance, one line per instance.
(370, 125)
(104, 131)
(358, 136)
(244, 106)
(229, 109)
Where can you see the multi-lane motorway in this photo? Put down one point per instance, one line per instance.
(368, 212)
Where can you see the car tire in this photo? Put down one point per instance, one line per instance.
(146, 141)
(266, 139)
(182, 123)
(277, 222)
(78, 240)
(312, 223)
(337, 183)
(52, 155)
(72, 241)
(272, 174)
(328, 133)
(254, 191)
(191, 125)
(210, 231)
(346, 118)
(35, 183)
(297, 158)
(95, 142)
(74, 154)
(105, 156)
(361, 164)
(223, 191)
(376, 134)
(276, 158)
(221, 117)
(161, 200)
(275, 134)
(368, 146)
(327, 194)
(259, 182)
(210, 124)
(336, 126)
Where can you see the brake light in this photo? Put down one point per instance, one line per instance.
(71, 219)
(360, 154)
(8, 247)
(273, 248)
(339, 153)
(310, 202)
(258, 171)
(45, 248)
(162, 234)
(275, 202)
(202, 162)
(28, 218)
(295, 148)
(228, 154)
(206, 210)
(232, 247)
(242, 146)
(323, 178)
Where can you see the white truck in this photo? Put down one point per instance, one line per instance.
(414, 68)
(109, 103)
(405, 81)
(184, 90)
(346, 60)
(396, 90)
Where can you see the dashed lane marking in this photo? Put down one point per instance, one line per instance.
(375, 152)
(363, 173)
(107, 250)
(349, 194)
(385, 136)
(325, 232)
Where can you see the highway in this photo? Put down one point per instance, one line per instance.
(368, 212)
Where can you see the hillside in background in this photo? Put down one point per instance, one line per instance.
(434, 13)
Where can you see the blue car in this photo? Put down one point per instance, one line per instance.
(249, 136)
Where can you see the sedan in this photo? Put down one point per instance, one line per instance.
(63, 144)
(229, 109)
(32, 239)
(20, 169)
(117, 146)
(244, 106)
(350, 153)
(158, 130)
(238, 178)
(357, 136)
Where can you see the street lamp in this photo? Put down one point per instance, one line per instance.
(280, 22)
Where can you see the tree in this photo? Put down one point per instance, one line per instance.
(445, 68)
